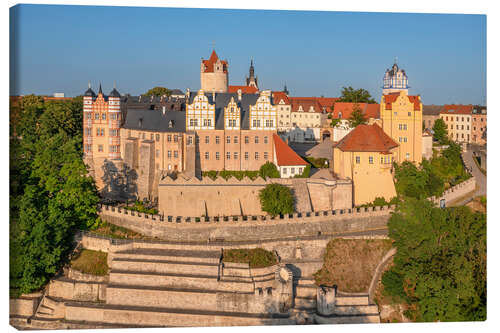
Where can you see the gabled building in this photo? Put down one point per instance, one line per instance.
(287, 161)
(344, 110)
(458, 120)
(365, 155)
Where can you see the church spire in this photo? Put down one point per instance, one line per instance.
(100, 88)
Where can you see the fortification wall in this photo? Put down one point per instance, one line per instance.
(207, 197)
(24, 306)
(248, 228)
(456, 191)
(77, 290)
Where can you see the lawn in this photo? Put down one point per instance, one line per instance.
(114, 231)
(257, 258)
(91, 262)
(350, 263)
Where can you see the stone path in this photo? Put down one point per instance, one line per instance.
(480, 178)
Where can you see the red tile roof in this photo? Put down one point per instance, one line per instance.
(367, 138)
(306, 103)
(278, 96)
(327, 102)
(209, 64)
(244, 89)
(391, 98)
(284, 154)
(346, 108)
(457, 109)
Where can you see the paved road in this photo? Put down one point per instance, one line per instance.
(480, 178)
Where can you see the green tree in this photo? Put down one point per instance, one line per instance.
(440, 131)
(440, 265)
(158, 91)
(269, 170)
(276, 199)
(357, 117)
(349, 94)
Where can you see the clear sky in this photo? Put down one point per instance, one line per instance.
(61, 48)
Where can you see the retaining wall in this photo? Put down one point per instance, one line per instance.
(77, 290)
(23, 306)
(456, 191)
(248, 227)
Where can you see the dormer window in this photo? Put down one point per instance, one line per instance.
(340, 115)
(171, 124)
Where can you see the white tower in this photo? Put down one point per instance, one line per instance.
(395, 80)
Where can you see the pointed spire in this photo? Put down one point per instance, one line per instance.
(100, 88)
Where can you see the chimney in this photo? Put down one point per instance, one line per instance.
(239, 94)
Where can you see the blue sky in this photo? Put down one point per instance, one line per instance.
(61, 48)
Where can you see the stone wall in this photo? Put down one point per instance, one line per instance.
(249, 227)
(207, 197)
(77, 290)
(456, 191)
(25, 305)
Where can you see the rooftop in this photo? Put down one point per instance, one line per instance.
(367, 138)
(284, 154)
(457, 109)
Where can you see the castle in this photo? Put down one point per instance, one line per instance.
(132, 143)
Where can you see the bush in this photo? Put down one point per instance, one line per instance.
(256, 258)
(276, 199)
(269, 170)
(305, 173)
(139, 206)
(226, 174)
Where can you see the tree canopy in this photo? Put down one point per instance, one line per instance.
(158, 91)
(276, 199)
(357, 117)
(51, 194)
(440, 265)
(349, 94)
(440, 131)
(269, 170)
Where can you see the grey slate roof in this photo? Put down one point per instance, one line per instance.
(114, 93)
(176, 92)
(89, 92)
(154, 120)
(222, 99)
(431, 110)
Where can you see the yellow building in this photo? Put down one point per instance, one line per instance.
(401, 116)
(365, 155)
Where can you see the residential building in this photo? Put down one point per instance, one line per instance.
(478, 132)
(458, 120)
(306, 118)
(427, 144)
(343, 110)
(284, 108)
(365, 155)
(430, 114)
(289, 164)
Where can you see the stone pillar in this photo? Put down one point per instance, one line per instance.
(325, 300)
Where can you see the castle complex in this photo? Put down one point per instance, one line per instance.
(132, 143)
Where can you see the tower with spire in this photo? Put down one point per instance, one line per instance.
(214, 74)
(252, 79)
(395, 79)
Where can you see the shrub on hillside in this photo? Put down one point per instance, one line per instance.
(269, 170)
(276, 199)
(256, 258)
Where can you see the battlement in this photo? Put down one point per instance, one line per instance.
(456, 191)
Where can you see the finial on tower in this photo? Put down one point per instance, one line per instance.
(89, 84)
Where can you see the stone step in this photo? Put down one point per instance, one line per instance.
(360, 319)
(45, 309)
(305, 303)
(194, 281)
(161, 317)
(352, 300)
(170, 255)
(164, 266)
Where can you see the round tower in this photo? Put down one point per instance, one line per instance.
(214, 74)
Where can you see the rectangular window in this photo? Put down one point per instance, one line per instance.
(265, 139)
(217, 156)
(404, 127)
(284, 171)
(246, 156)
(176, 154)
(228, 139)
(292, 171)
(152, 136)
(157, 153)
(97, 116)
(358, 159)
(409, 114)
(100, 148)
(235, 155)
(169, 154)
(228, 155)
(157, 137)
(103, 116)
(405, 139)
(256, 155)
(207, 155)
(176, 138)
(246, 139)
(265, 155)
(381, 160)
(370, 159)
(207, 139)
(169, 138)
(191, 122)
(407, 155)
(256, 139)
(217, 140)
(235, 139)
(190, 140)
